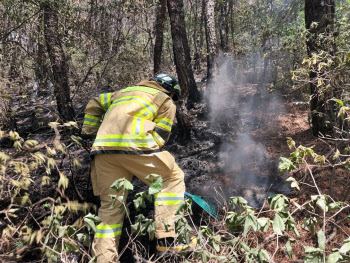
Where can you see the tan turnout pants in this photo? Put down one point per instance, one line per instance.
(107, 168)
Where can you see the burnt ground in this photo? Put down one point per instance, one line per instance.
(235, 149)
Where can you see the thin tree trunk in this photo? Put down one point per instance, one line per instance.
(212, 68)
(159, 29)
(58, 61)
(224, 11)
(184, 71)
(319, 19)
(182, 52)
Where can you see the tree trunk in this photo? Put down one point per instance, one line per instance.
(322, 13)
(196, 55)
(181, 50)
(212, 68)
(184, 71)
(159, 29)
(224, 26)
(58, 61)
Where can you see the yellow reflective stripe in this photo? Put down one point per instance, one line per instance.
(125, 141)
(134, 123)
(165, 120)
(142, 126)
(164, 123)
(124, 136)
(164, 126)
(109, 226)
(92, 117)
(136, 126)
(169, 195)
(108, 231)
(92, 123)
(174, 202)
(157, 138)
(105, 100)
(92, 120)
(141, 88)
(146, 105)
(139, 122)
(108, 235)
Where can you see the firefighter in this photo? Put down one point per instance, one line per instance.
(129, 127)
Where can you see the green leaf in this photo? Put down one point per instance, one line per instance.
(166, 225)
(128, 185)
(90, 224)
(120, 184)
(321, 240)
(139, 201)
(334, 257)
(152, 230)
(293, 183)
(264, 223)
(68, 247)
(91, 221)
(263, 255)
(215, 245)
(245, 246)
(250, 222)
(278, 224)
(84, 238)
(345, 248)
(289, 249)
(339, 102)
(156, 186)
(285, 165)
(322, 203)
(335, 206)
(94, 218)
(114, 198)
(61, 231)
(278, 202)
(237, 201)
(151, 177)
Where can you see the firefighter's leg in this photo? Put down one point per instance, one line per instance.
(173, 189)
(106, 240)
(167, 202)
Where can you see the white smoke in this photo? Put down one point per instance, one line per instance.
(240, 106)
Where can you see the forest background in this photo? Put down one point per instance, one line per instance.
(55, 55)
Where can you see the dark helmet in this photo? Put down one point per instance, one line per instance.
(169, 83)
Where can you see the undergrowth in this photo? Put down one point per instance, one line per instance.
(57, 229)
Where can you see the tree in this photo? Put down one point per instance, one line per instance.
(183, 64)
(159, 28)
(182, 52)
(224, 25)
(212, 67)
(58, 61)
(319, 19)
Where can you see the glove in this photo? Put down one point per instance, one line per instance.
(87, 144)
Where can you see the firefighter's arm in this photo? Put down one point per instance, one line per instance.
(94, 112)
(164, 121)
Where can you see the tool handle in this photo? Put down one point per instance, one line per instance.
(187, 194)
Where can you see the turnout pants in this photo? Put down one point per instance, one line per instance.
(107, 168)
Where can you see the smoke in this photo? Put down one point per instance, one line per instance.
(241, 107)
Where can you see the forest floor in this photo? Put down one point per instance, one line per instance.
(234, 151)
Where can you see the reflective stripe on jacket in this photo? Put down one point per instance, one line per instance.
(134, 120)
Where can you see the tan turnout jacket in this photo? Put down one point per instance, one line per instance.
(134, 120)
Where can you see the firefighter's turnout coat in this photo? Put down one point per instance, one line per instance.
(129, 128)
(136, 120)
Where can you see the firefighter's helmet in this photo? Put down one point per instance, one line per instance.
(169, 83)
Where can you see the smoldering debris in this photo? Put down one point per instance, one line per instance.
(239, 110)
